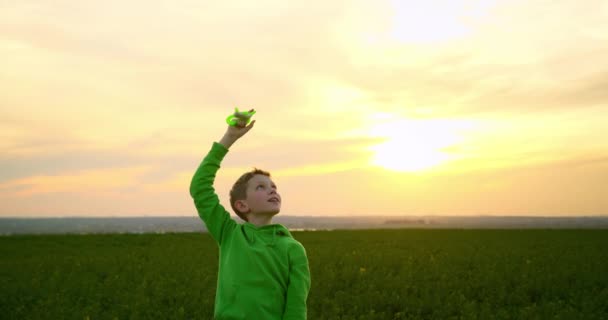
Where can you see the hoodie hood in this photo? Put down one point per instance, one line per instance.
(268, 234)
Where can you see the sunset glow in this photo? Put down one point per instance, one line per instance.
(459, 107)
(413, 145)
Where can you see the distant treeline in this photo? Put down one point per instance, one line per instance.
(83, 225)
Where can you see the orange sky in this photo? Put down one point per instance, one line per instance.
(364, 107)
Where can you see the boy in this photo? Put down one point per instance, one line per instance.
(263, 271)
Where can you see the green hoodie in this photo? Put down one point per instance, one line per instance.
(263, 271)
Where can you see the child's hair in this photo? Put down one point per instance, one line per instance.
(239, 189)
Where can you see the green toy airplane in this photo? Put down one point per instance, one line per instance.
(234, 118)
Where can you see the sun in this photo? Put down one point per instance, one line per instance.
(406, 157)
(414, 145)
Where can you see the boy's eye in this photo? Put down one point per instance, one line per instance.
(264, 187)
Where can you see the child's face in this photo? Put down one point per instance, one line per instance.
(262, 195)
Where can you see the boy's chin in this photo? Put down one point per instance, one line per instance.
(269, 213)
(275, 210)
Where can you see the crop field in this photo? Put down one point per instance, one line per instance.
(358, 274)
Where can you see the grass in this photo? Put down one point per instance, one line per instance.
(359, 274)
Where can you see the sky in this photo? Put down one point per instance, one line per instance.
(384, 107)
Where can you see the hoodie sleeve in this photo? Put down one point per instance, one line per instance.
(207, 203)
(298, 285)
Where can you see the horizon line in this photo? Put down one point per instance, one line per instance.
(318, 216)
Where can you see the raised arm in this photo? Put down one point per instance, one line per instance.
(207, 203)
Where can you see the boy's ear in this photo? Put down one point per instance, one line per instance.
(242, 206)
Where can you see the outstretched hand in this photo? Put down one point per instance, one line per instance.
(235, 132)
(241, 126)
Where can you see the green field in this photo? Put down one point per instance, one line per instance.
(362, 274)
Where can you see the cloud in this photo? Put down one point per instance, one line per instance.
(89, 89)
(565, 187)
(454, 85)
(170, 152)
(520, 58)
(56, 158)
(83, 181)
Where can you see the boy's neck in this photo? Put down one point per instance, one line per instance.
(260, 221)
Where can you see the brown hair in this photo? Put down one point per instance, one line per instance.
(239, 189)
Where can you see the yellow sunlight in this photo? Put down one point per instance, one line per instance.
(415, 144)
(434, 21)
